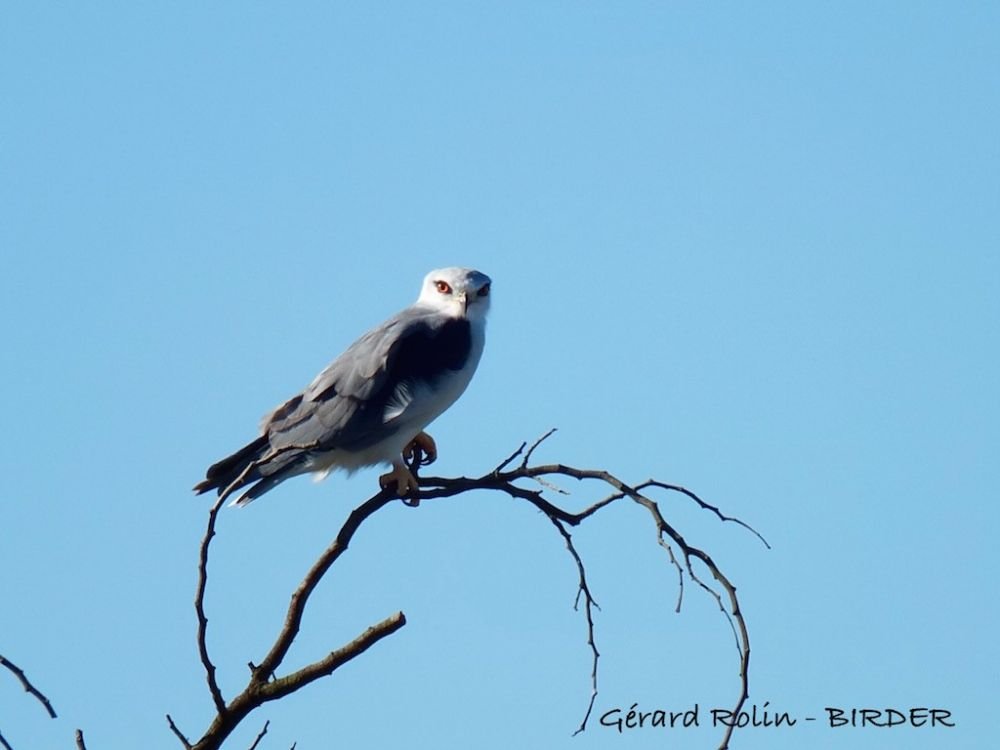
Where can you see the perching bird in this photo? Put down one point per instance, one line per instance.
(372, 403)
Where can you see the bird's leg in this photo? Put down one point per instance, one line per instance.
(422, 448)
(406, 484)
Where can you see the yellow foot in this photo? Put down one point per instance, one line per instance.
(400, 476)
(423, 448)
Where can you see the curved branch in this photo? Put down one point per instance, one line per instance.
(505, 481)
(199, 606)
(705, 506)
(588, 607)
(264, 684)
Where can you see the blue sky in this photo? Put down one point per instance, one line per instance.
(752, 250)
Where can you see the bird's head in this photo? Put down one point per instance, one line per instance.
(459, 292)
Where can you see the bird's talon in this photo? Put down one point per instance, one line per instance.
(405, 483)
(422, 448)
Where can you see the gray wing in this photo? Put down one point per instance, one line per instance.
(338, 409)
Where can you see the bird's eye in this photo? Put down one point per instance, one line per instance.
(484, 290)
(443, 286)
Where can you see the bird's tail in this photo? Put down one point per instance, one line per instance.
(235, 471)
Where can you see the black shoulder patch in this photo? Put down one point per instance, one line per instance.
(426, 353)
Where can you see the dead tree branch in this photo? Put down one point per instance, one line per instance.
(265, 684)
(588, 608)
(260, 736)
(28, 687)
(199, 605)
(178, 733)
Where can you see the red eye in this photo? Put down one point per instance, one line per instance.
(443, 286)
(484, 291)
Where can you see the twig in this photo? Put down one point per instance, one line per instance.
(282, 686)
(510, 459)
(704, 505)
(199, 606)
(542, 439)
(734, 615)
(3, 743)
(588, 608)
(28, 687)
(178, 733)
(260, 736)
(680, 573)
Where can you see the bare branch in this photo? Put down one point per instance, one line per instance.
(704, 505)
(178, 733)
(264, 684)
(28, 687)
(31, 690)
(199, 606)
(588, 608)
(680, 572)
(282, 686)
(733, 615)
(542, 439)
(80, 744)
(505, 481)
(260, 736)
(262, 687)
(293, 619)
(510, 459)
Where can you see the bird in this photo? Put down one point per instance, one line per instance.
(371, 404)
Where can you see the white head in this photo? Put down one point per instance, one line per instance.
(459, 292)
